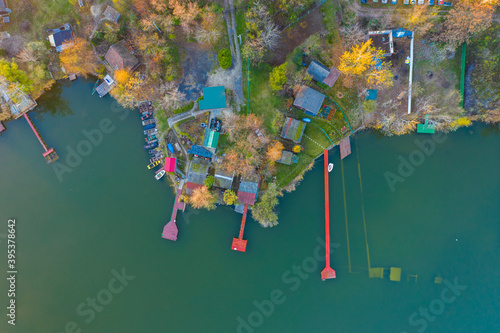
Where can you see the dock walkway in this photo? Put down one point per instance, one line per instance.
(170, 230)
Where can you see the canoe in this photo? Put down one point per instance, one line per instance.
(171, 148)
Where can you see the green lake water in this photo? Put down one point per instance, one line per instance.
(104, 215)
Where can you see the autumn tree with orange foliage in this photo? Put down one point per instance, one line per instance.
(361, 60)
(466, 18)
(80, 58)
(274, 151)
(202, 198)
(122, 76)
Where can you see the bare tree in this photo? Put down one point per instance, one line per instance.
(353, 35)
(26, 55)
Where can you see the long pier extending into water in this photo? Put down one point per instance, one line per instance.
(50, 154)
(327, 272)
(240, 244)
(170, 230)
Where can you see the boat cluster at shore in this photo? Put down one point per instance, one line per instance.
(151, 132)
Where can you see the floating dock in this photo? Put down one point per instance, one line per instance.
(240, 244)
(170, 230)
(345, 147)
(327, 272)
(50, 154)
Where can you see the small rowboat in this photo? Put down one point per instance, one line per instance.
(150, 126)
(160, 174)
(152, 131)
(154, 164)
(151, 145)
(330, 167)
(148, 121)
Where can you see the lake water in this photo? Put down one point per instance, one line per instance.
(90, 257)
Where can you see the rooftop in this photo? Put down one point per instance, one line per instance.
(23, 104)
(111, 14)
(288, 158)
(223, 179)
(120, 57)
(323, 74)
(293, 129)
(213, 98)
(247, 193)
(211, 138)
(199, 151)
(170, 163)
(61, 38)
(309, 100)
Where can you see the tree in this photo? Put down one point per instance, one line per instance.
(264, 211)
(209, 181)
(381, 76)
(466, 18)
(202, 198)
(274, 151)
(359, 59)
(230, 197)
(122, 76)
(353, 34)
(209, 30)
(80, 58)
(277, 78)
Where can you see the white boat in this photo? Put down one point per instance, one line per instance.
(160, 174)
(330, 167)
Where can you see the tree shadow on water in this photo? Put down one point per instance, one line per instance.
(53, 103)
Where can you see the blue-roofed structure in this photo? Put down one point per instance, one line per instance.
(371, 94)
(211, 138)
(400, 32)
(309, 100)
(322, 74)
(61, 38)
(199, 151)
(213, 98)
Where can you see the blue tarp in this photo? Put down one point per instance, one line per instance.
(372, 95)
(398, 33)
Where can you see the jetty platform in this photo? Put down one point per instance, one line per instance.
(327, 272)
(50, 154)
(170, 230)
(345, 147)
(240, 244)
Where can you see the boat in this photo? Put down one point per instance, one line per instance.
(155, 150)
(156, 158)
(171, 148)
(160, 174)
(146, 115)
(150, 137)
(149, 126)
(151, 145)
(152, 131)
(306, 120)
(152, 141)
(148, 121)
(154, 164)
(330, 167)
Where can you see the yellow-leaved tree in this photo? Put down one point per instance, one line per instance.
(366, 61)
(230, 197)
(122, 76)
(80, 58)
(203, 198)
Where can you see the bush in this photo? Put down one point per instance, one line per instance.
(369, 106)
(277, 78)
(184, 108)
(225, 59)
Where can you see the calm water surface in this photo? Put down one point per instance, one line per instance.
(103, 216)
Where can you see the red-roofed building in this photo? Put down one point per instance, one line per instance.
(247, 193)
(170, 164)
(120, 57)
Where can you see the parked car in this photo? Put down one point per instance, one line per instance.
(375, 0)
(406, 2)
(412, 2)
(430, 2)
(394, 2)
(384, 1)
(440, 2)
(421, 2)
(363, 1)
(448, 4)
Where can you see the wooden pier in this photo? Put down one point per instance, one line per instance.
(170, 230)
(240, 244)
(345, 148)
(327, 272)
(50, 154)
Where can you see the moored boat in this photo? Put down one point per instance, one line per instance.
(154, 164)
(150, 126)
(160, 174)
(152, 131)
(330, 167)
(148, 121)
(152, 141)
(150, 137)
(151, 145)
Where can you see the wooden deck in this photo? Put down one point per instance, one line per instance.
(170, 230)
(345, 147)
(240, 244)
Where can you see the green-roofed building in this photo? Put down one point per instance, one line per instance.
(213, 98)
(211, 138)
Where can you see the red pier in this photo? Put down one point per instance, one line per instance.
(170, 230)
(240, 244)
(328, 272)
(50, 155)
